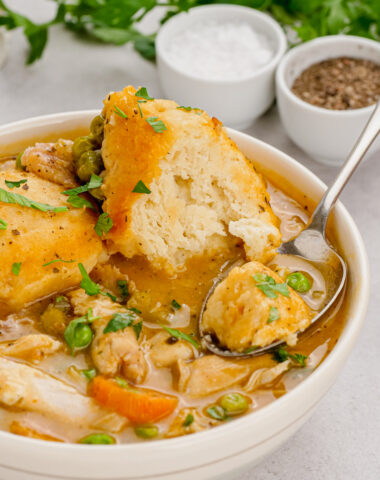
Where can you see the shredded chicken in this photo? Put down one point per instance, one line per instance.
(264, 376)
(189, 420)
(209, 374)
(31, 347)
(25, 430)
(115, 351)
(29, 389)
(164, 353)
(51, 161)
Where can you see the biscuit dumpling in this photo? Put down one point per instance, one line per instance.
(254, 307)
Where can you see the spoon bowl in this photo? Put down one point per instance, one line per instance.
(309, 246)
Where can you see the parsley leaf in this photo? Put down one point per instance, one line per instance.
(140, 187)
(175, 304)
(104, 224)
(251, 349)
(120, 112)
(3, 224)
(269, 286)
(157, 125)
(181, 335)
(78, 202)
(119, 321)
(94, 182)
(281, 355)
(15, 198)
(58, 260)
(123, 286)
(90, 287)
(89, 373)
(11, 185)
(273, 315)
(143, 93)
(16, 267)
(188, 420)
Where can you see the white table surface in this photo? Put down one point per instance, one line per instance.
(342, 439)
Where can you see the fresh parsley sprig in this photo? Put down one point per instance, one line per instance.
(16, 198)
(103, 224)
(281, 355)
(116, 21)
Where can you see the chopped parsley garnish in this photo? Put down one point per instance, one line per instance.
(136, 310)
(104, 224)
(90, 287)
(123, 286)
(187, 109)
(188, 420)
(157, 125)
(181, 335)
(273, 315)
(217, 412)
(120, 112)
(78, 202)
(137, 327)
(251, 349)
(11, 185)
(58, 260)
(119, 321)
(16, 267)
(140, 187)
(15, 198)
(269, 286)
(122, 383)
(94, 182)
(143, 93)
(281, 355)
(3, 224)
(139, 107)
(89, 373)
(175, 305)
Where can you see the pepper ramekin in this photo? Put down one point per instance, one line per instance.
(326, 135)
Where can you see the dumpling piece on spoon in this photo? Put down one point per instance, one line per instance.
(176, 186)
(253, 307)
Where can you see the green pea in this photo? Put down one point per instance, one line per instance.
(97, 128)
(299, 282)
(217, 412)
(78, 334)
(82, 336)
(82, 145)
(234, 403)
(89, 163)
(147, 431)
(62, 303)
(98, 439)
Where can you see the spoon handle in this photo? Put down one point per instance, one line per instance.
(368, 135)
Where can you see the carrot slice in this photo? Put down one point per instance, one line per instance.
(139, 406)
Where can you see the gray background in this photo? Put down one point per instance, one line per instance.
(342, 439)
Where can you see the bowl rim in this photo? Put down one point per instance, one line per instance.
(303, 49)
(338, 353)
(206, 11)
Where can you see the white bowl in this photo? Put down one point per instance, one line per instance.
(236, 102)
(224, 451)
(326, 135)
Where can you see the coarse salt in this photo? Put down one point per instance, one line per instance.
(220, 50)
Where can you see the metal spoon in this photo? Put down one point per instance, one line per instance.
(310, 245)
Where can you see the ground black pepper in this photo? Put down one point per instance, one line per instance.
(340, 83)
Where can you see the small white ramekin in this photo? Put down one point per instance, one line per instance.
(236, 102)
(326, 135)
